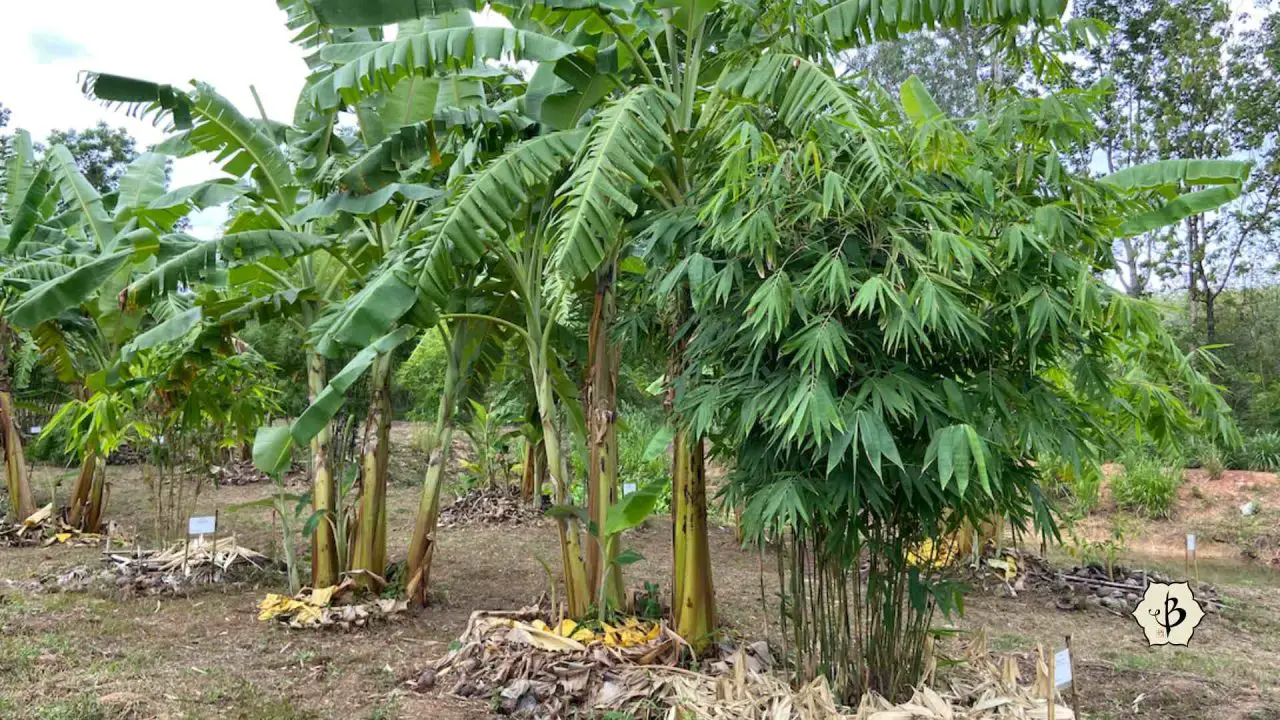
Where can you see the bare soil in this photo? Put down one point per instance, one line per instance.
(76, 656)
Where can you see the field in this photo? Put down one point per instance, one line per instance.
(99, 654)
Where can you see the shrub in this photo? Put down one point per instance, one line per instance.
(1148, 485)
(1081, 489)
(1211, 459)
(421, 377)
(52, 447)
(1262, 451)
(635, 429)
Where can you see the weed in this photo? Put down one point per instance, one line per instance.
(1212, 461)
(1148, 485)
(1262, 451)
(79, 708)
(1103, 552)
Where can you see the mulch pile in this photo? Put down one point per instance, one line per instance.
(165, 571)
(1080, 587)
(127, 455)
(45, 527)
(243, 472)
(508, 660)
(494, 505)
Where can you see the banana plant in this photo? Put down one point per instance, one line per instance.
(67, 251)
(475, 349)
(622, 113)
(319, 182)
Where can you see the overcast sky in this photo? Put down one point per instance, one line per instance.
(231, 44)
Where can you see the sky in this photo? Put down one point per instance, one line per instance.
(231, 44)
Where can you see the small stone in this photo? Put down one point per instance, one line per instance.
(425, 681)
(1112, 603)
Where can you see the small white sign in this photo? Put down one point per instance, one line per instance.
(35, 429)
(1191, 543)
(628, 488)
(1061, 668)
(204, 525)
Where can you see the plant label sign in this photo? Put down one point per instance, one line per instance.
(202, 525)
(628, 488)
(1191, 543)
(1061, 668)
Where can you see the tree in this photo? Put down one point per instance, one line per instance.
(894, 331)
(1188, 82)
(101, 152)
(65, 256)
(622, 119)
(952, 64)
(4, 139)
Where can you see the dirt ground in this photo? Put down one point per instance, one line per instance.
(98, 654)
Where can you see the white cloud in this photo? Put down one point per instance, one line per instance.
(231, 44)
(48, 46)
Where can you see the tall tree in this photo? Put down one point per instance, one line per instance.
(1188, 80)
(622, 119)
(102, 153)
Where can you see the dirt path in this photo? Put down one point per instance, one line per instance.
(100, 655)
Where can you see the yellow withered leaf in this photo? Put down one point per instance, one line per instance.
(62, 537)
(567, 628)
(540, 625)
(631, 638)
(323, 596)
(654, 633)
(584, 635)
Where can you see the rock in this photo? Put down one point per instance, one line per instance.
(1112, 603)
(425, 681)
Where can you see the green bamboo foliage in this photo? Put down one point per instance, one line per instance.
(897, 335)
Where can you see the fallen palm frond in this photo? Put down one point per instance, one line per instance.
(529, 669)
(315, 608)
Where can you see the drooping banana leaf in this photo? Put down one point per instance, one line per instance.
(49, 299)
(1169, 179)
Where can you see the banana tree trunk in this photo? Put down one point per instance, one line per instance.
(21, 502)
(603, 576)
(693, 604)
(422, 545)
(96, 506)
(325, 564)
(80, 492)
(577, 591)
(368, 563)
(529, 472)
(15, 463)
